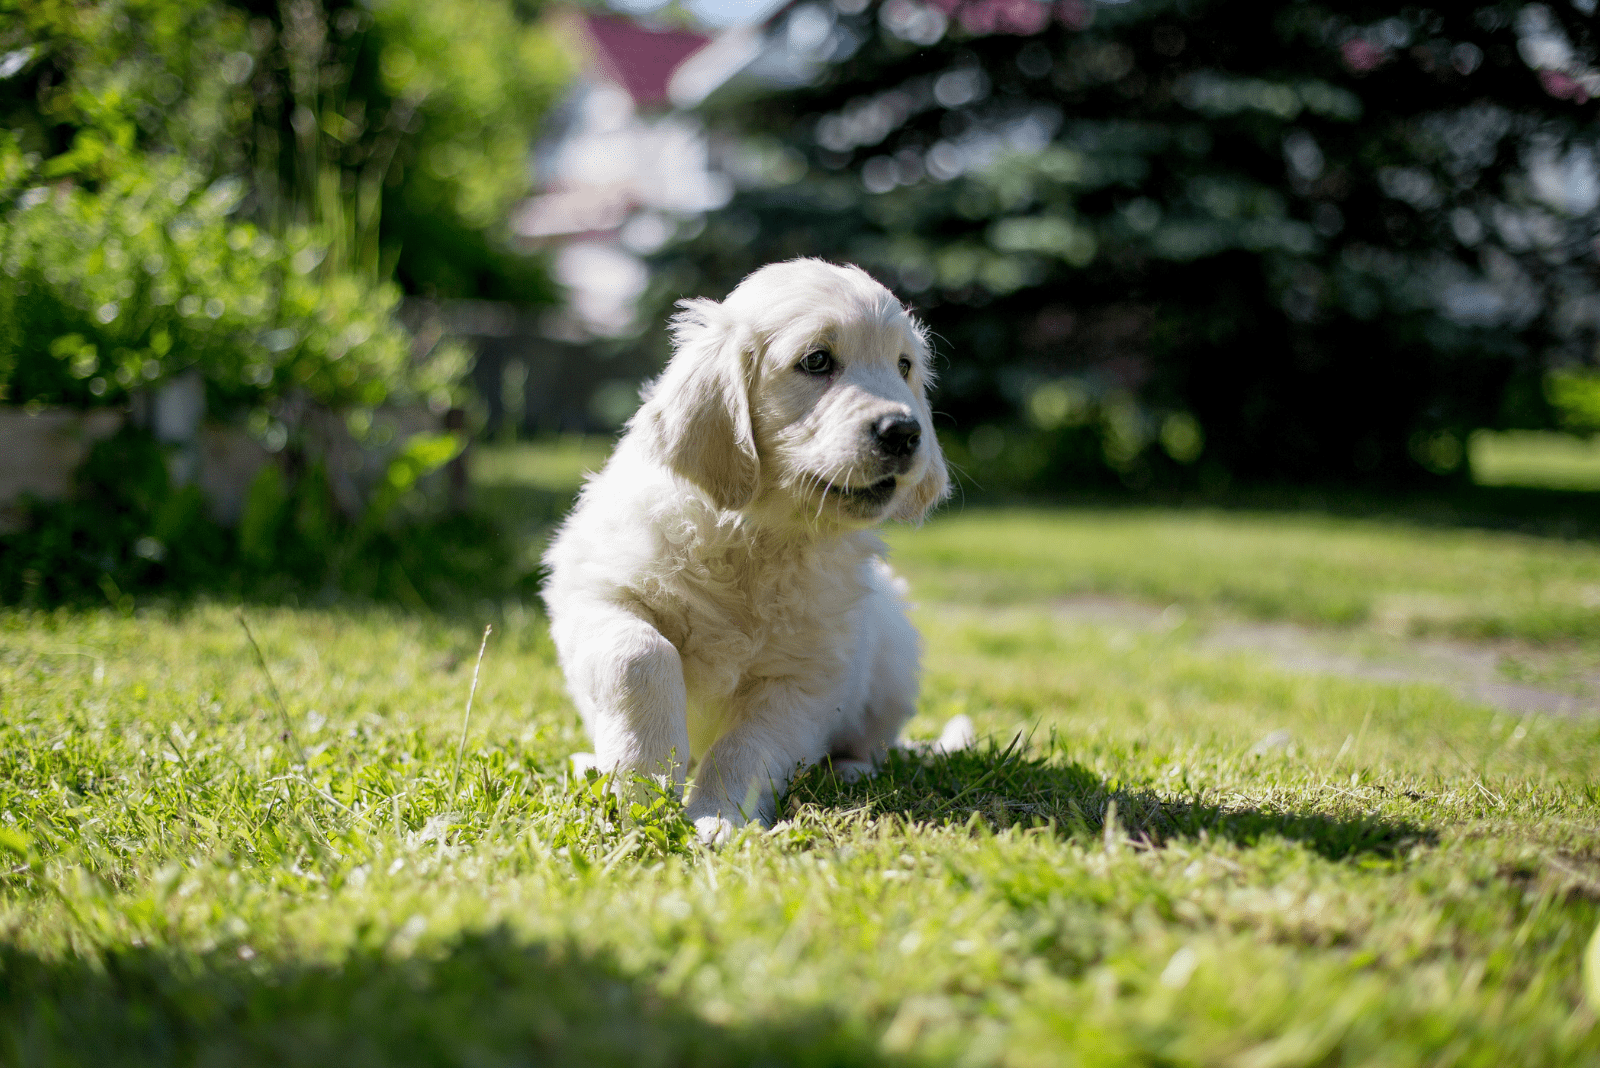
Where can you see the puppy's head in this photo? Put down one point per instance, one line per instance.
(804, 395)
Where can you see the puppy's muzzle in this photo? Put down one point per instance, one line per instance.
(895, 438)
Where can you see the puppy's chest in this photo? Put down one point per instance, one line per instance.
(741, 611)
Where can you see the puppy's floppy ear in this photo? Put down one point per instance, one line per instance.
(696, 417)
(933, 487)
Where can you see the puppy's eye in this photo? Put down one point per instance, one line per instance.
(905, 367)
(819, 362)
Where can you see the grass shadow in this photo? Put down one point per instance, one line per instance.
(1008, 787)
(487, 998)
(1568, 515)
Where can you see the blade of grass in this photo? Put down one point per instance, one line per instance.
(288, 725)
(466, 717)
(985, 777)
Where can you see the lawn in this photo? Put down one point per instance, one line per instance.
(1163, 854)
(1310, 568)
(1532, 458)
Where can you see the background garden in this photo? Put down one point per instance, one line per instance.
(1272, 581)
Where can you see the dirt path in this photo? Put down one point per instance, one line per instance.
(1560, 684)
(1473, 670)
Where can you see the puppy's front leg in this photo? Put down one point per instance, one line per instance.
(627, 681)
(742, 774)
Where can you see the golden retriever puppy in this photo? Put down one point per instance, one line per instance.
(719, 601)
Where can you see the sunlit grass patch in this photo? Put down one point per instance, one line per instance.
(1310, 568)
(1535, 458)
(1158, 853)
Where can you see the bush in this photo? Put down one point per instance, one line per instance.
(152, 274)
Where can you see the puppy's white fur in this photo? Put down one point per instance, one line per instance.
(720, 605)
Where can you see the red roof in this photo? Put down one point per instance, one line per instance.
(639, 59)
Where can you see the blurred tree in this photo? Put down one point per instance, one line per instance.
(1199, 239)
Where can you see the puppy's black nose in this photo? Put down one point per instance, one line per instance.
(897, 435)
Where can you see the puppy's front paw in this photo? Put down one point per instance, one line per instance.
(582, 762)
(714, 830)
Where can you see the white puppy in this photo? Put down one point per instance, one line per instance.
(719, 604)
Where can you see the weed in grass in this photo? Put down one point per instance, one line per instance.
(466, 716)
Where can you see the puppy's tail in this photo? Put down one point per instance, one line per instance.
(958, 734)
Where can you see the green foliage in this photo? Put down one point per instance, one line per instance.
(183, 186)
(152, 275)
(105, 81)
(1576, 400)
(201, 186)
(113, 537)
(1071, 434)
(422, 455)
(404, 129)
(475, 73)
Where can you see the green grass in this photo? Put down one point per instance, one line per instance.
(1404, 577)
(1161, 855)
(1533, 458)
(557, 465)
(528, 487)
(1310, 568)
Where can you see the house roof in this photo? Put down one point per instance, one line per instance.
(640, 60)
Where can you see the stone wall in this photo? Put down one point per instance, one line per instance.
(41, 449)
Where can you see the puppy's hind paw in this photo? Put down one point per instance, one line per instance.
(958, 734)
(714, 830)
